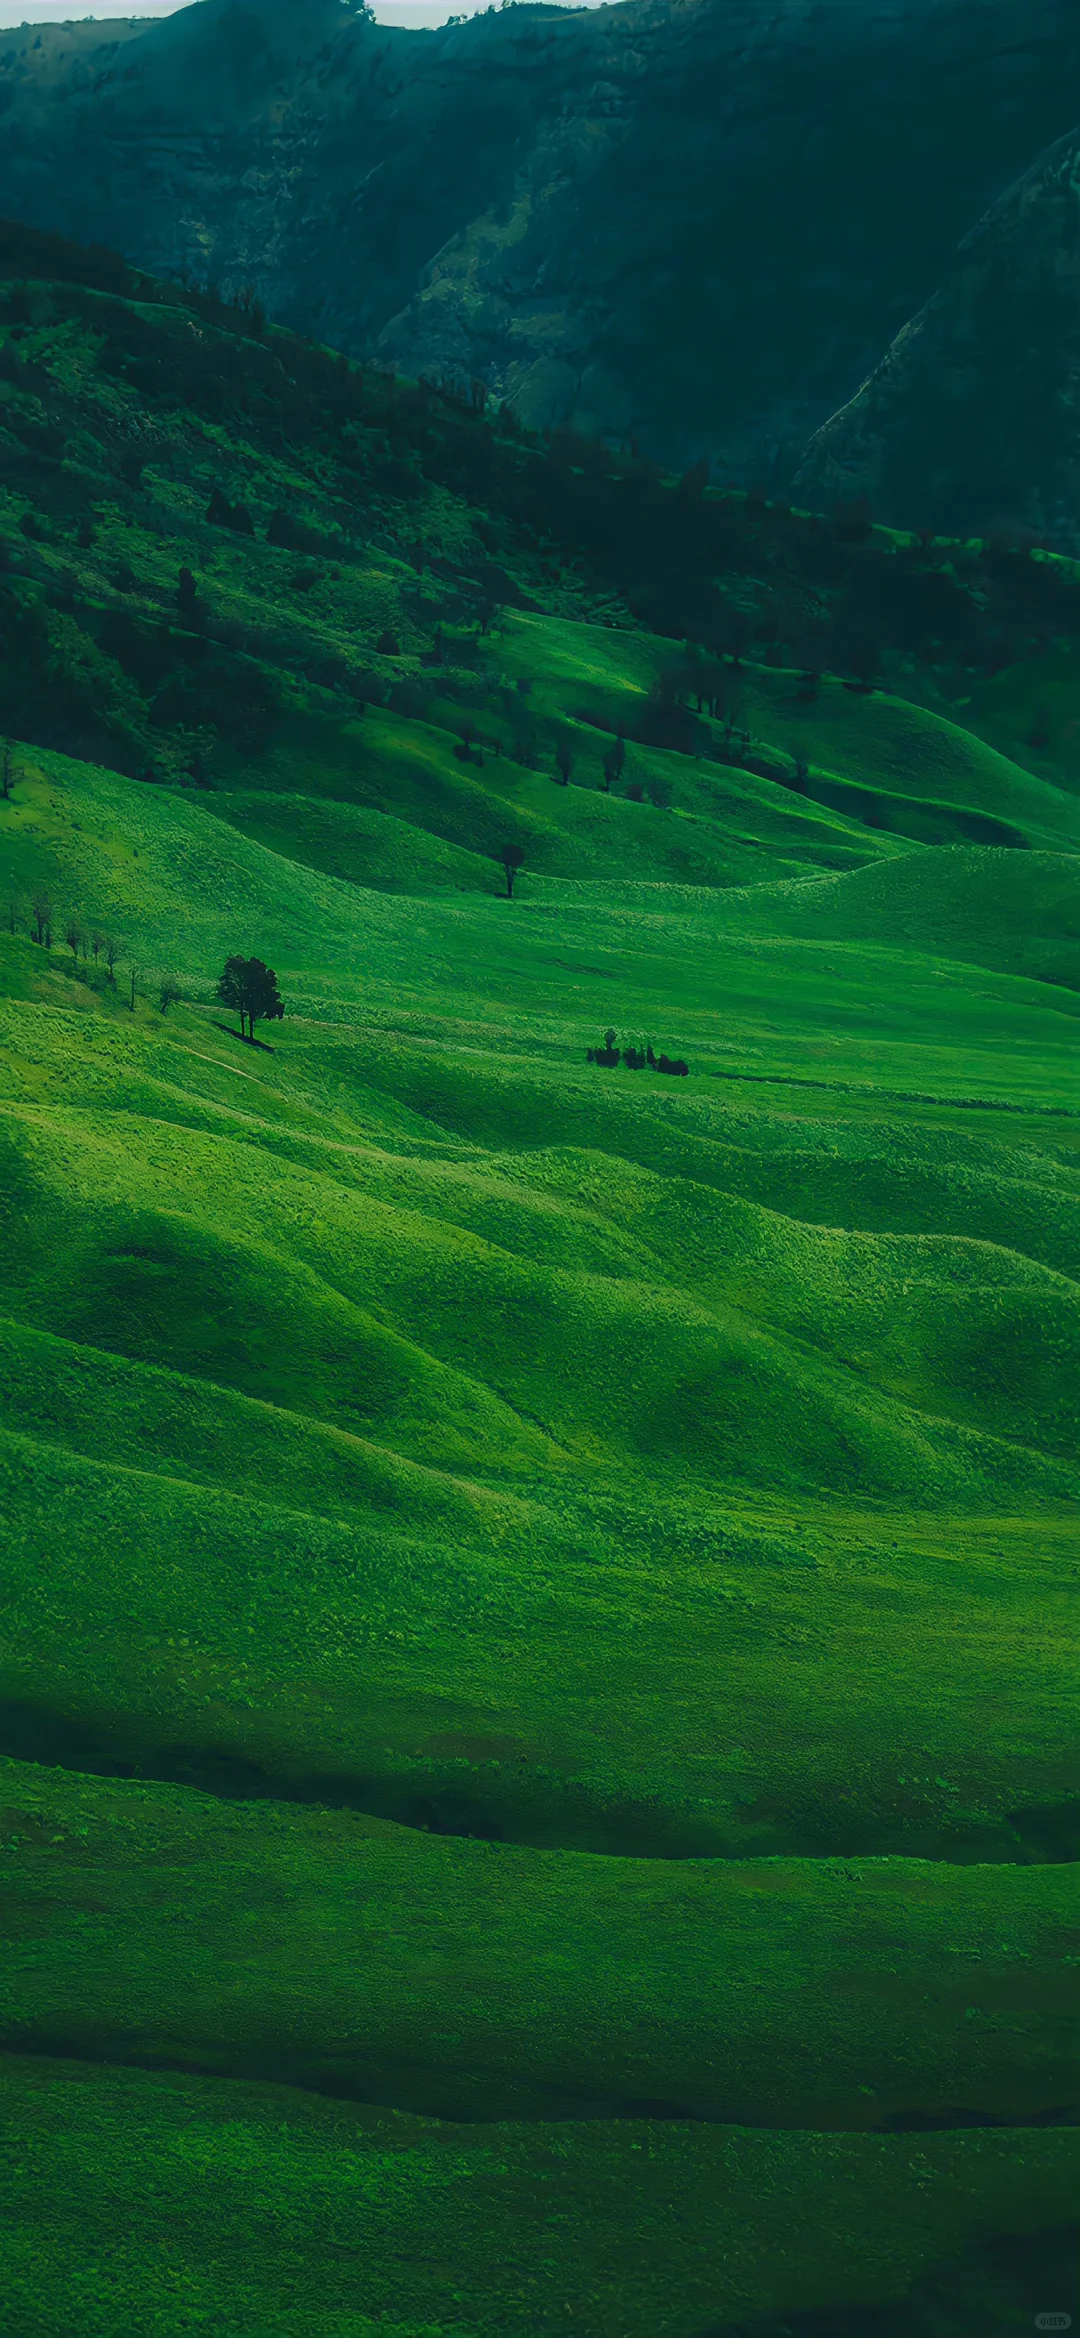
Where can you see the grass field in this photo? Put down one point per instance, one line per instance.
(538, 1700)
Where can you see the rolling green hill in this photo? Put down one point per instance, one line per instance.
(538, 1691)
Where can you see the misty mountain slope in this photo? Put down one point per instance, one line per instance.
(638, 219)
(971, 415)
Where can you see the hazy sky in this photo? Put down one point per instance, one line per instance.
(416, 12)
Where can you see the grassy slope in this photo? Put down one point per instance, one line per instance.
(414, 1417)
(390, 1967)
(626, 2229)
(868, 751)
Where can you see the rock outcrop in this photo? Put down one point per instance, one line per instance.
(694, 223)
(971, 423)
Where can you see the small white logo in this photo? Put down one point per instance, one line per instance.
(1053, 2321)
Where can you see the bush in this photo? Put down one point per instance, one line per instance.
(223, 514)
(608, 1053)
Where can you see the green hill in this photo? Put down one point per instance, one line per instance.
(538, 1683)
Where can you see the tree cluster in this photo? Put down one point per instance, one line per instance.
(635, 1057)
(245, 983)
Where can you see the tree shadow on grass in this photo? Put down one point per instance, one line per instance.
(232, 1033)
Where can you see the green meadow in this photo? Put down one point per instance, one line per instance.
(538, 1710)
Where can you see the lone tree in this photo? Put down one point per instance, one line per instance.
(169, 993)
(43, 920)
(114, 950)
(523, 740)
(512, 858)
(613, 763)
(231, 989)
(7, 770)
(564, 760)
(264, 1001)
(466, 751)
(252, 988)
(864, 662)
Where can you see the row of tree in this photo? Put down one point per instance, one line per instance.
(525, 749)
(246, 984)
(612, 765)
(636, 1057)
(90, 947)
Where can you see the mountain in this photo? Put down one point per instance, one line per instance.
(970, 420)
(691, 223)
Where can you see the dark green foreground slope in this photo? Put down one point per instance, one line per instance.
(173, 2203)
(538, 1691)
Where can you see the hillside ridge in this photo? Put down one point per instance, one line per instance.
(969, 410)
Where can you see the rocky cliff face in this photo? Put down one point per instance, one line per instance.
(691, 222)
(972, 419)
